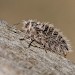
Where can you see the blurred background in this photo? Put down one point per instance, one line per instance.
(59, 12)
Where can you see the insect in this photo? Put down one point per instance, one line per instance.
(46, 35)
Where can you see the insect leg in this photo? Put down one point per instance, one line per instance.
(30, 43)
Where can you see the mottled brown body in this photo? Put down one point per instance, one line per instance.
(47, 36)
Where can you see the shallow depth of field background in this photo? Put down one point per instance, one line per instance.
(59, 12)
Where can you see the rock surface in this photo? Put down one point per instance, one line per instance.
(17, 59)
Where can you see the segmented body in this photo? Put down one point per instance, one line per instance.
(47, 35)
